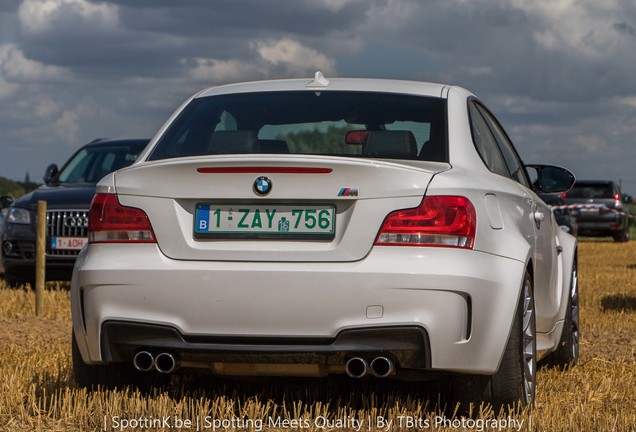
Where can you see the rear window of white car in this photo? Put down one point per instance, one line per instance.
(350, 124)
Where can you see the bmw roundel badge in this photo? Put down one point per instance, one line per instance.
(262, 185)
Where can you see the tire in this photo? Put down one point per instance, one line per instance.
(567, 352)
(515, 381)
(623, 236)
(12, 283)
(107, 376)
(15, 283)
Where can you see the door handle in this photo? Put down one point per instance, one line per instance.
(538, 216)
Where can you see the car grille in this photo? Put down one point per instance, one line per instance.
(65, 223)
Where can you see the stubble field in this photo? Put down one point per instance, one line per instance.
(37, 392)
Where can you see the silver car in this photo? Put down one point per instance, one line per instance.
(369, 228)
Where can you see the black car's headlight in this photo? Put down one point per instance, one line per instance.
(19, 216)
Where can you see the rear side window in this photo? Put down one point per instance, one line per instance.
(390, 126)
(514, 164)
(493, 145)
(486, 143)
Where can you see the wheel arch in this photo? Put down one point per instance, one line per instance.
(569, 257)
(530, 269)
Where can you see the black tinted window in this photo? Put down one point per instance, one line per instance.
(486, 143)
(309, 122)
(515, 167)
(590, 191)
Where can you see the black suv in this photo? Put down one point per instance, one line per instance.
(5, 203)
(603, 213)
(68, 193)
(565, 217)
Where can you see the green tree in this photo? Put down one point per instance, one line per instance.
(329, 141)
(11, 188)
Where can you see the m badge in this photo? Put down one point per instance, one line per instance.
(348, 192)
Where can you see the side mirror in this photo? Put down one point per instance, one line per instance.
(627, 199)
(50, 173)
(552, 179)
(5, 201)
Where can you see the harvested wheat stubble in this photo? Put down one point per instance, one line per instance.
(37, 392)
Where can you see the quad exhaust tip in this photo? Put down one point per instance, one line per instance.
(164, 362)
(144, 361)
(380, 367)
(357, 367)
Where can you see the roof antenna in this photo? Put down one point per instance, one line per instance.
(319, 80)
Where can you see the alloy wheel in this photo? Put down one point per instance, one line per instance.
(529, 343)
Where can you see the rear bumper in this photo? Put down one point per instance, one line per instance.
(601, 225)
(408, 346)
(125, 297)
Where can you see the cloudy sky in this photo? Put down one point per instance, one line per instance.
(560, 74)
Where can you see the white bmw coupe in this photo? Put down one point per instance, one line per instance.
(320, 226)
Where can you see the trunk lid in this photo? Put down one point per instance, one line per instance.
(360, 191)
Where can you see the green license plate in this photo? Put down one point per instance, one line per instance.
(279, 221)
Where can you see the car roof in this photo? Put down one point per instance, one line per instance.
(593, 182)
(320, 83)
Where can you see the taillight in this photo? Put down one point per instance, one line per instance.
(447, 221)
(111, 222)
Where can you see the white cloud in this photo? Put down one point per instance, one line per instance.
(67, 126)
(45, 108)
(295, 56)
(218, 71)
(582, 27)
(590, 144)
(271, 59)
(41, 16)
(16, 68)
(629, 101)
(6, 88)
(335, 5)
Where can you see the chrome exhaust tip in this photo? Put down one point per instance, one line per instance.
(144, 361)
(357, 367)
(165, 363)
(382, 367)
